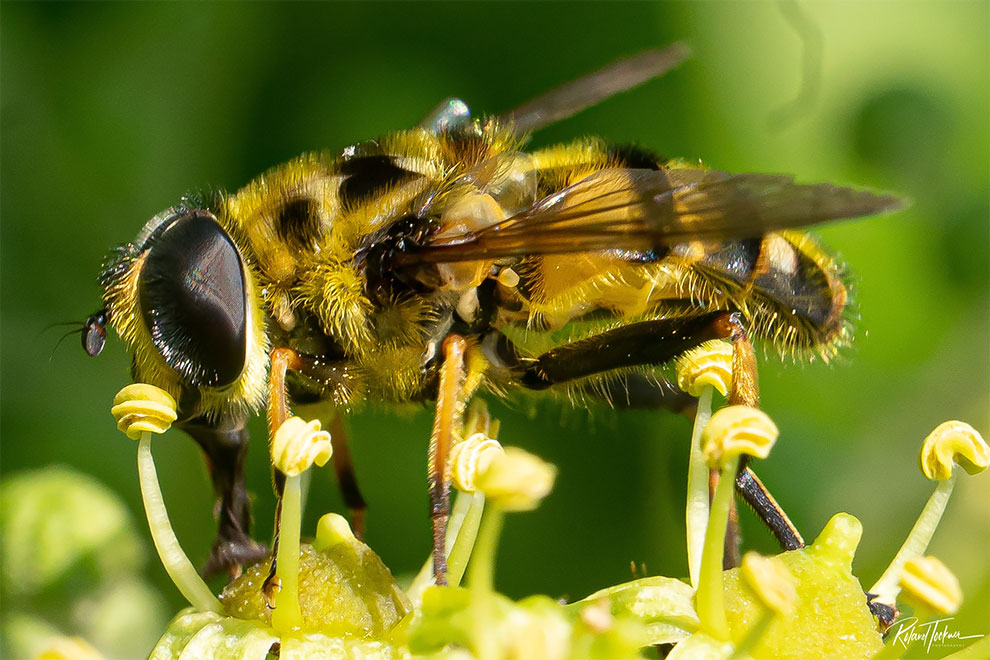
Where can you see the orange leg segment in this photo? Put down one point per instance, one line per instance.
(282, 359)
(446, 423)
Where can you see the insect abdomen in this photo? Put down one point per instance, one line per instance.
(790, 290)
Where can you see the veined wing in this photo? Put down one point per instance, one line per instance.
(643, 210)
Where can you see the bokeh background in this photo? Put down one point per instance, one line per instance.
(111, 111)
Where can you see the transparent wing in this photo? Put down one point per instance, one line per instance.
(642, 210)
(575, 96)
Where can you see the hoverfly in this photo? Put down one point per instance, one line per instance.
(437, 263)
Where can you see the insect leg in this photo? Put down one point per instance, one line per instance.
(746, 391)
(282, 359)
(224, 442)
(647, 342)
(658, 342)
(446, 423)
(346, 477)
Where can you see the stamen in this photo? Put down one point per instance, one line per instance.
(771, 581)
(296, 446)
(141, 410)
(950, 445)
(700, 371)
(732, 432)
(471, 457)
(929, 585)
(515, 480)
(775, 587)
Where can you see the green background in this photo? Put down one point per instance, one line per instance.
(111, 111)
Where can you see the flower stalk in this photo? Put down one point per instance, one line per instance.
(700, 372)
(296, 446)
(141, 410)
(951, 447)
(732, 432)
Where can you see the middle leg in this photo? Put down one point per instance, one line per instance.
(659, 342)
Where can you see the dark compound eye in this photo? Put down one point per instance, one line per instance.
(94, 333)
(192, 294)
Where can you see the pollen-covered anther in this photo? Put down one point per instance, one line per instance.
(928, 583)
(471, 457)
(953, 443)
(771, 581)
(298, 444)
(516, 480)
(709, 364)
(140, 408)
(737, 430)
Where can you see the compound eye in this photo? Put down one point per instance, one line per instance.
(192, 294)
(94, 333)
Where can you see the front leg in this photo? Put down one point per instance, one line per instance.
(446, 424)
(224, 444)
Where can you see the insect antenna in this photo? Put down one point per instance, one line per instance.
(62, 338)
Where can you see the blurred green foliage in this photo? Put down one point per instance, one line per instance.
(111, 111)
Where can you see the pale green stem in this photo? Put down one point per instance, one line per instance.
(697, 487)
(888, 586)
(482, 569)
(287, 616)
(480, 579)
(976, 651)
(753, 636)
(175, 561)
(458, 556)
(424, 578)
(709, 598)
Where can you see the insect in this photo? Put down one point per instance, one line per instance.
(437, 263)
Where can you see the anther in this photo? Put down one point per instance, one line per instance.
(298, 445)
(471, 457)
(709, 364)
